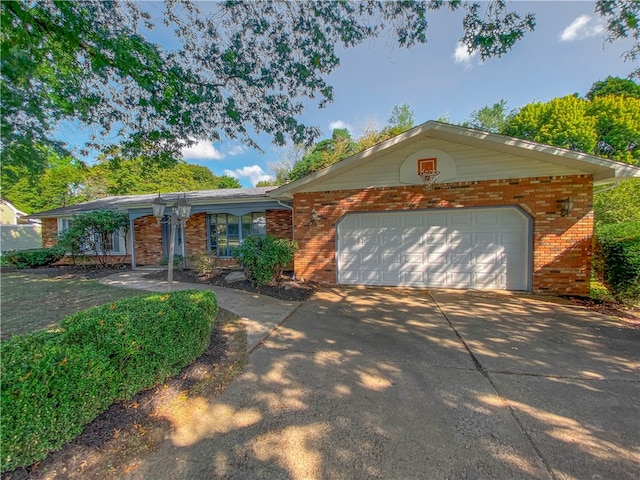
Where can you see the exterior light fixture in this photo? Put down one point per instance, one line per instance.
(182, 208)
(313, 218)
(180, 212)
(566, 207)
(158, 205)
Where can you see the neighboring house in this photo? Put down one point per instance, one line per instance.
(504, 213)
(17, 231)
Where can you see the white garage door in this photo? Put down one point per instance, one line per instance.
(452, 248)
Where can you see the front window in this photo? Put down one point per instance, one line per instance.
(227, 231)
(115, 242)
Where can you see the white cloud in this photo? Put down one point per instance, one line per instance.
(339, 124)
(253, 172)
(202, 151)
(582, 27)
(237, 150)
(461, 55)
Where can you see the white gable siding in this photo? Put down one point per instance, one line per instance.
(471, 164)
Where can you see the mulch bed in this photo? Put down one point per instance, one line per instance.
(284, 289)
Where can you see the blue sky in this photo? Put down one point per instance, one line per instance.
(564, 55)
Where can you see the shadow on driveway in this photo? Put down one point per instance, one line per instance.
(389, 383)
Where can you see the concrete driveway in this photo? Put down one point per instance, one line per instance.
(387, 383)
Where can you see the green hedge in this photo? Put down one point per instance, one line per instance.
(616, 259)
(264, 258)
(54, 383)
(34, 258)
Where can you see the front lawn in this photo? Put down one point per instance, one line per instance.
(30, 301)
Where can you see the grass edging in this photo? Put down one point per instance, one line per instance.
(53, 383)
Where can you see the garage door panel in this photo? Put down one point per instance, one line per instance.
(436, 238)
(435, 219)
(487, 258)
(511, 238)
(390, 239)
(459, 279)
(414, 258)
(414, 220)
(369, 258)
(459, 238)
(485, 238)
(461, 248)
(456, 259)
(486, 218)
(461, 219)
(389, 259)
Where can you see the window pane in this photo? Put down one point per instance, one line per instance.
(233, 227)
(246, 225)
(259, 224)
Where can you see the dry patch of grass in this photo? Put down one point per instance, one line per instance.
(32, 301)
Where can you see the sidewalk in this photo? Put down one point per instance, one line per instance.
(259, 313)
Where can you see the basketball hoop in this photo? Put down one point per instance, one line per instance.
(429, 177)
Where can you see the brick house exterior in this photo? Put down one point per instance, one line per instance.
(539, 197)
(479, 173)
(147, 241)
(368, 219)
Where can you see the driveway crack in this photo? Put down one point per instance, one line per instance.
(502, 398)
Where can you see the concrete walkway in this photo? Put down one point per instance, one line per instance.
(259, 313)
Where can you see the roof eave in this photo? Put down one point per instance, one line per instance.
(604, 170)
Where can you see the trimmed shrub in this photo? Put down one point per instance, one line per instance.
(264, 258)
(34, 258)
(616, 259)
(54, 383)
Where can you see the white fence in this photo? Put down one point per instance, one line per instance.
(20, 237)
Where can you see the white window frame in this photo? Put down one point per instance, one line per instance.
(120, 239)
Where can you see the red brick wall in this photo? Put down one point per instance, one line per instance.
(561, 245)
(279, 223)
(49, 232)
(148, 240)
(195, 236)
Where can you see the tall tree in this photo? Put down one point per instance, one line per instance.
(617, 203)
(617, 127)
(607, 125)
(489, 118)
(237, 69)
(400, 120)
(136, 177)
(562, 122)
(623, 87)
(57, 186)
(325, 153)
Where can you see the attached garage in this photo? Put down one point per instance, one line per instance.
(485, 248)
(443, 206)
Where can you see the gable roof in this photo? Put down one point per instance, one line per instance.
(604, 170)
(127, 202)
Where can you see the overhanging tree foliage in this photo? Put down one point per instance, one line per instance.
(238, 69)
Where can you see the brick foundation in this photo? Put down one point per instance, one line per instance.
(561, 245)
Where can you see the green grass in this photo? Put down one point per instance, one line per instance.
(30, 302)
